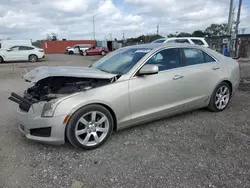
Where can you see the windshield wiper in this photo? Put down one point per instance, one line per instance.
(104, 70)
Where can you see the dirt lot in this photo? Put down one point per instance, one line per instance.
(195, 149)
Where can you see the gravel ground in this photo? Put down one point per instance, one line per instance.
(195, 149)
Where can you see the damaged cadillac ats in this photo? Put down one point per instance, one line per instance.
(129, 86)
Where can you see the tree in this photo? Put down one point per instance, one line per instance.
(217, 29)
(52, 36)
(183, 34)
(198, 33)
(172, 35)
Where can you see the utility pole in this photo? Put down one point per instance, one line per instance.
(123, 36)
(243, 30)
(94, 24)
(237, 28)
(94, 27)
(157, 29)
(230, 18)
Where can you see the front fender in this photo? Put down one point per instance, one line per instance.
(115, 96)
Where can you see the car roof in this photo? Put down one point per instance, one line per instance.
(157, 45)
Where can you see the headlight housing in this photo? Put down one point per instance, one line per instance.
(49, 109)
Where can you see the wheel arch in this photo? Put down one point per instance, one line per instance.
(101, 104)
(34, 55)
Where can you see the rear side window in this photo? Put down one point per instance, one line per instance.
(208, 58)
(25, 48)
(197, 41)
(182, 41)
(193, 56)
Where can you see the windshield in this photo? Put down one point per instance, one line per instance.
(121, 61)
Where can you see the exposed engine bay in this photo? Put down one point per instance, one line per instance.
(54, 87)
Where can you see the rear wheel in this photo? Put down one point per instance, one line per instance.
(84, 53)
(90, 127)
(33, 58)
(220, 98)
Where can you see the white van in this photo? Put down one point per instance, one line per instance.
(7, 44)
(191, 40)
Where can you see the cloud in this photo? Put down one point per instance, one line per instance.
(73, 19)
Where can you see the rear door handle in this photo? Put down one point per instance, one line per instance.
(215, 68)
(176, 77)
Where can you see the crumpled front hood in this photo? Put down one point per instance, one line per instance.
(40, 73)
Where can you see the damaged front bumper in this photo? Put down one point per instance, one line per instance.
(35, 127)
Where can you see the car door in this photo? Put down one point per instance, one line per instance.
(76, 49)
(199, 72)
(25, 51)
(159, 94)
(13, 54)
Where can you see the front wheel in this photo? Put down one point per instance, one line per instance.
(90, 127)
(1, 60)
(103, 53)
(220, 98)
(33, 58)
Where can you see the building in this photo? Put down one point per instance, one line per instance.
(217, 43)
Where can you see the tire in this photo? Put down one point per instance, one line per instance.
(84, 53)
(70, 52)
(81, 52)
(33, 58)
(220, 98)
(103, 53)
(1, 60)
(83, 120)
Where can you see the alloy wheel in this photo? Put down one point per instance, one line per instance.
(92, 128)
(222, 97)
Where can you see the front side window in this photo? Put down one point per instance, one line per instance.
(14, 48)
(197, 41)
(121, 61)
(171, 41)
(166, 59)
(76, 46)
(182, 41)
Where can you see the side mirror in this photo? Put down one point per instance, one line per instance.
(148, 69)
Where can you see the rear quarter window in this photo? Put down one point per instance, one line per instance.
(197, 41)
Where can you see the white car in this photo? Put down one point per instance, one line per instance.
(78, 48)
(21, 53)
(191, 40)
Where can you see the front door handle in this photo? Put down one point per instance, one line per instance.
(176, 77)
(215, 68)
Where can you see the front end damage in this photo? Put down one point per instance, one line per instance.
(54, 86)
(36, 107)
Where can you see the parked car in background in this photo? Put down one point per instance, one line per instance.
(78, 48)
(21, 53)
(190, 40)
(96, 50)
(132, 85)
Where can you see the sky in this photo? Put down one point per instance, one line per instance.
(73, 19)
